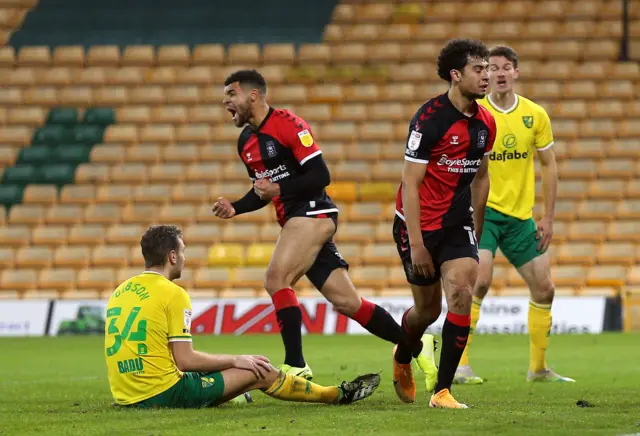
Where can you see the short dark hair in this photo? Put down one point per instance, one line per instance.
(456, 54)
(157, 242)
(248, 77)
(506, 52)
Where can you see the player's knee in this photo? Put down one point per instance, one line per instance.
(481, 287)
(461, 297)
(544, 292)
(274, 280)
(347, 305)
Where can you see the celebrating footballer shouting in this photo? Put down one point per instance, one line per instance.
(287, 168)
(441, 200)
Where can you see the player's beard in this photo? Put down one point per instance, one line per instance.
(243, 113)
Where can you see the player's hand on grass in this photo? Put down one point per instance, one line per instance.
(223, 209)
(259, 365)
(544, 233)
(266, 189)
(422, 262)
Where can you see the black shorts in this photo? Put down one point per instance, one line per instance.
(444, 244)
(328, 259)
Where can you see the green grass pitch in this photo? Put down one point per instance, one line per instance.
(58, 386)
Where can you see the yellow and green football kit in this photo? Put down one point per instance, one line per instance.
(521, 130)
(144, 314)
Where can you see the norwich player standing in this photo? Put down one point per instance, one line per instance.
(150, 358)
(523, 128)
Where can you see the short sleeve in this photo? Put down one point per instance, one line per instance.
(421, 141)
(179, 317)
(493, 131)
(301, 141)
(544, 135)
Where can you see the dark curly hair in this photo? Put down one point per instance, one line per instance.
(157, 242)
(248, 77)
(456, 54)
(505, 52)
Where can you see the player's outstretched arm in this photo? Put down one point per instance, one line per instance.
(412, 178)
(189, 360)
(479, 195)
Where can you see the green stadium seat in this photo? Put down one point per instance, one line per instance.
(63, 116)
(36, 154)
(22, 174)
(99, 116)
(88, 134)
(51, 135)
(11, 194)
(71, 153)
(58, 174)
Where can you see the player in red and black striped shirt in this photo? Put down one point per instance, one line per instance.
(441, 200)
(286, 166)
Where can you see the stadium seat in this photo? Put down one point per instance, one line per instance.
(248, 277)
(18, 279)
(49, 235)
(96, 278)
(57, 279)
(228, 255)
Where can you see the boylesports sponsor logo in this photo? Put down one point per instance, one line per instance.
(274, 174)
(508, 155)
(460, 165)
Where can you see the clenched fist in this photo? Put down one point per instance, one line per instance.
(223, 209)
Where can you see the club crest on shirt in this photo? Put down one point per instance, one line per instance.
(305, 138)
(482, 138)
(271, 149)
(414, 140)
(528, 121)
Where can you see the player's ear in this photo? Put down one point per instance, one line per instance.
(516, 72)
(455, 75)
(173, 257)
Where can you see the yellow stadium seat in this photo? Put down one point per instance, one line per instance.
(350, 112)
(378, 191)
(130, 173)
(7, 255)
(49, 235)
(212, 278)
(115, 194)
(577, 253)
(105, 55)
(29, 116)
(617, 253)
(190, 193)
(627, 230)
(375, 277)
(136, 260)
(584, 230)
(40, 194)
(259, 254)
(166, 173)
(356, 171)
(33, 257)
(96, 278)
(343, 191)
(173, 55)
(370, 212)
(607, 188)
(354, 232)
(72, 257)
(109, 256)
(179, 214)
(102, 213)
(18, 279)
(269, 232)
(606, 275)
(629, 209)
(208, 54)
(57, 278)
(380, 254)
(383, 232)
(86, 234)
(248, 277)
(596, 209)
(113, 96)
(123, 234)
(34, 56)
(226, 254)
(29, 214)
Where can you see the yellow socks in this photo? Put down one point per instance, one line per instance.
(539, 330)
(475, 316)
(289, 387)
